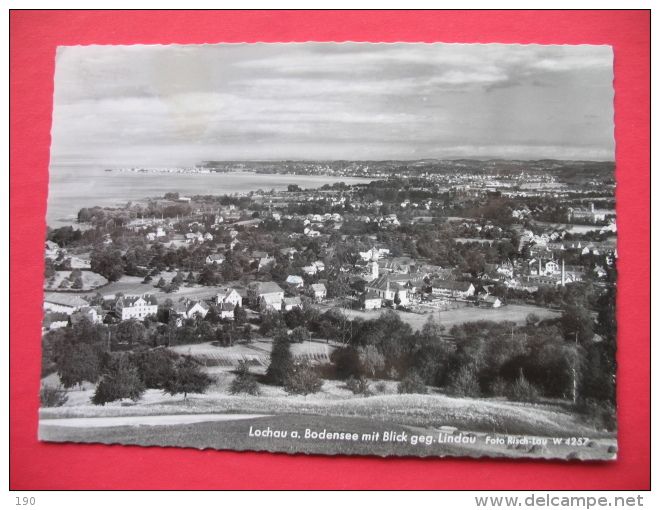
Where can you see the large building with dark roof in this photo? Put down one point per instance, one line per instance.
(456, 290)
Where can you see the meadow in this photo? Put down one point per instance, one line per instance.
(461, 315)
(91, 280)
(134, 285)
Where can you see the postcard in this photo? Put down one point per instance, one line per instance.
(397, 249)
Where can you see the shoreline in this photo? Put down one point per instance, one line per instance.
(68, 193)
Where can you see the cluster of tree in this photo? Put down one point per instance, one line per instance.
(591, 236)
(83, 353)
(129, 375)
(436, 243)
(552, 359)
(108, 261)
(82, 344)
(196, 330)
(73, 281)
(466, 365)
(64, 236)
(296, 378)
(75, 353)
(49, 270)
(119, 217)
(245, 381)
(104, 215)
(396, 190)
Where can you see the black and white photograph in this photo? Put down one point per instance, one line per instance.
(382, 249)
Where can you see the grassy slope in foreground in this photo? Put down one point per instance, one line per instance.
(476, 415)
(360, 436)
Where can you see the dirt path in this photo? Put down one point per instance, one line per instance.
(173, 419)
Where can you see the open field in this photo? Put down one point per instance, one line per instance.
(256, 354)
(132, 285)
(572, 228)
(90, 280)
(258, 345)
(512, 313)
(449, 318)
(208, 349)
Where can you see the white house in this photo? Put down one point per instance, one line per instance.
(270, 301)
(371, 300)
(226, 311)
(215, 258)
(194, 238)
(136, 307)
(288, 252)
(52, 249)
(388, 290)
(291, 303)
(93, 314)
(373, 254)
(310, 270)
(259, 290)
(188, 309)
(490, 302)
(319, 290)
(231, 296)
(265, 261)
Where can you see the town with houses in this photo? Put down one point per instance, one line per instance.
(401, 273)
(354, 240)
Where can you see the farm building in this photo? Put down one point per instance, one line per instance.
(56, 302)
(456, 290)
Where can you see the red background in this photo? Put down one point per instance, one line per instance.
(34, 36)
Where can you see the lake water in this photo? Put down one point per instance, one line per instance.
(72, 188)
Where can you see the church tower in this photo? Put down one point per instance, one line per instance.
(374, 270)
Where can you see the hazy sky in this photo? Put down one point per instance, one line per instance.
(157, 105)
